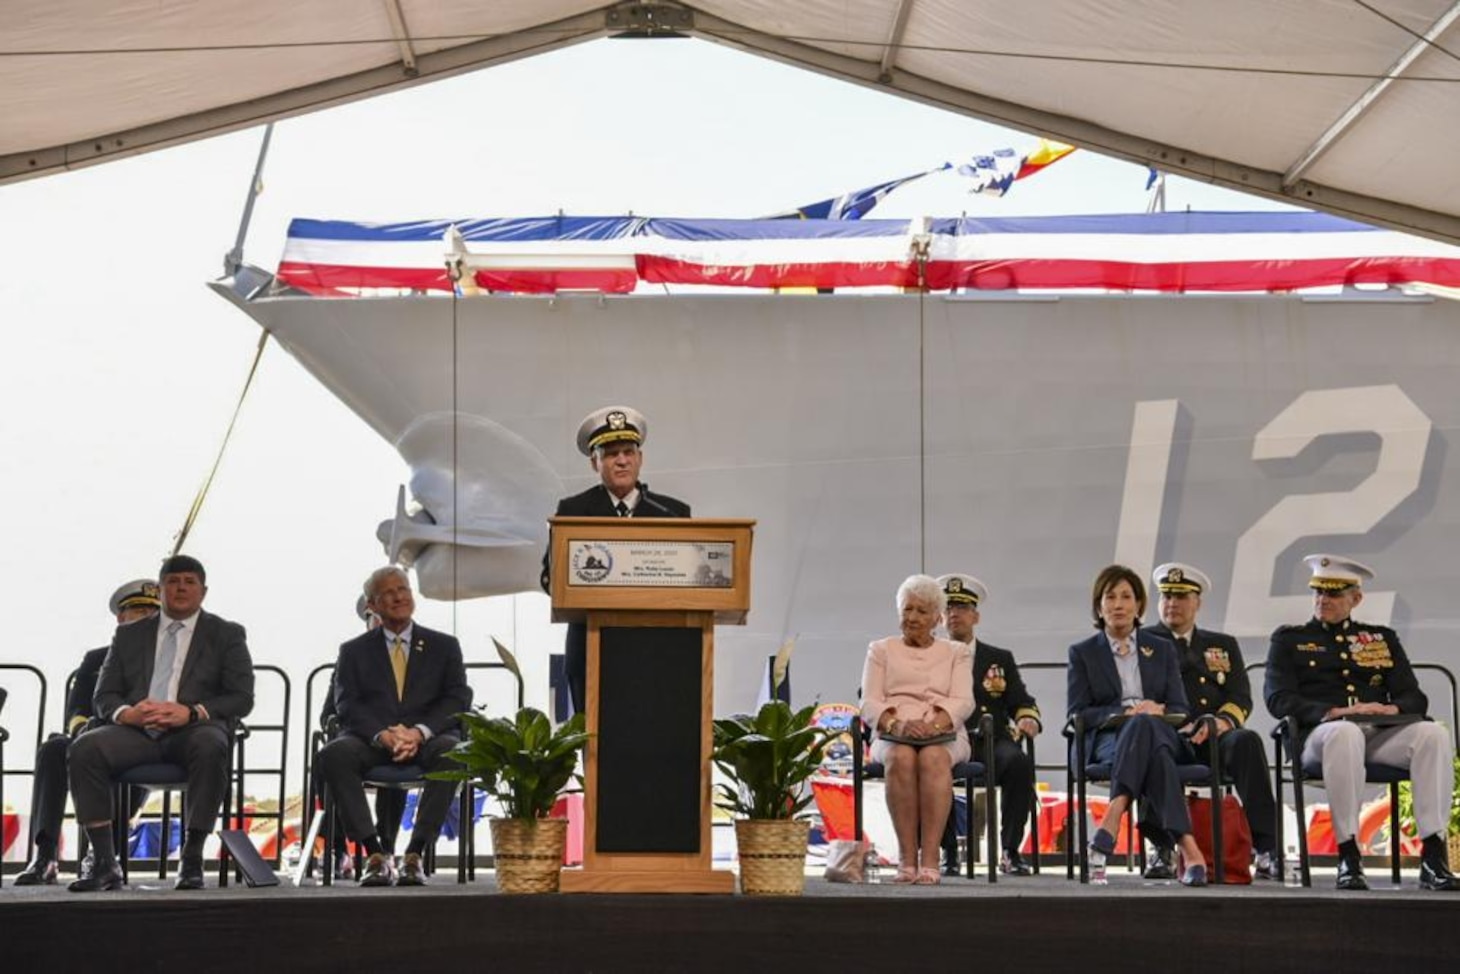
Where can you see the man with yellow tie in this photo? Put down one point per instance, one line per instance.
(398, 689)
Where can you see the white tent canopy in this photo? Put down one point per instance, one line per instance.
(1350, 106)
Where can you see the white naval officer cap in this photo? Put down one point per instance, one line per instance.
(963, 589)
(1175, 577)
(138, 592)
(1334, 573)
(611, 424)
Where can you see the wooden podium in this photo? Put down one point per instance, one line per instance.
(650, 591)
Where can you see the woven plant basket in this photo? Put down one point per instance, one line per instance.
(529, 853)
(1452, 842)
(772, 856)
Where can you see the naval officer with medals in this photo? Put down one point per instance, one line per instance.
(998, 690)
(1340, 678)
(1216, 683)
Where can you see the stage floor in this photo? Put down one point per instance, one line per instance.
(1043, 923)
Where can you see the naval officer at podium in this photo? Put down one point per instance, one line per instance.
(612, 439)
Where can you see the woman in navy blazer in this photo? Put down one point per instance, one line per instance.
(1123, 672)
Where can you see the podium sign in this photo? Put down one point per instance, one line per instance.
(649, 592)
(651, 563)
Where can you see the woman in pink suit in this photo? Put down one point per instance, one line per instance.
(917, 690)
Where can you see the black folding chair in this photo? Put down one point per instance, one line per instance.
(971, 775)
(260, 726)
(405, 777)
(1287, 752)
(169, 778)
(40, 735)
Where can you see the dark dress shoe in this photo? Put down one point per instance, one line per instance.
(379, 871)
(412, 872)
(1013, 864)
(1434, 875)
(102, 876)
(1159, 864)
(190, 873)
(40, 872)
(1194, 876)
(1351, 873)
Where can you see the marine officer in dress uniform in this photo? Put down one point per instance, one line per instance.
(612, 438)
(1216, 683)
(1340, 678)
(999, 691)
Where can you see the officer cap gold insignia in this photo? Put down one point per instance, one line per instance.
(963, 589)
(1334, 573)
(1175, 577)
(611, 424)
(138, 592)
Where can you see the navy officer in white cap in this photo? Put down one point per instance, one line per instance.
(998, 690)
(1216, 683)
(612, 438)
(135, 600)
(1333, 668)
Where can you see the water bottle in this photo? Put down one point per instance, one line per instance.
(871, 868)
(1292, 871)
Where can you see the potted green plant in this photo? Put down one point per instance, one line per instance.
(1406, 814)
(525, 764)
(768, 758)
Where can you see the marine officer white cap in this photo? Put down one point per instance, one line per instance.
(1334, 573)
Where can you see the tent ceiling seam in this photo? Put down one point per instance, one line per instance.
(1351, 116)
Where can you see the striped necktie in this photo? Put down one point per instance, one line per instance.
(623, 509)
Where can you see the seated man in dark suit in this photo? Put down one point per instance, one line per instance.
(612, 439)
(1216, 683)
(133, 601)
(390, 803)
(169, 692)
(998, 690)
(398, 690)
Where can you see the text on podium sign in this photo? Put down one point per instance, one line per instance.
(671, 564)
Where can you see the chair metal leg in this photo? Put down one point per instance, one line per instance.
(1036, 806)
(1131, 840)
(471, 835)
(1215, 875)
(1394, 831)
(1215, 872)
(992, 839)
(164, 845)
(121, 836)
(1304, 865)
(232, 795)
(1084, 825)
(327, 857)
(1279, 826)
(463, 817)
